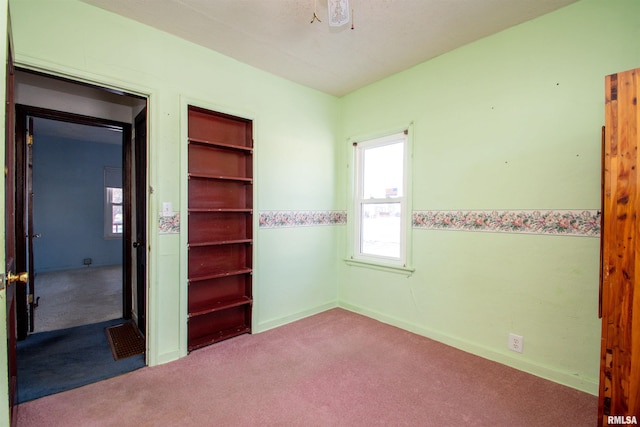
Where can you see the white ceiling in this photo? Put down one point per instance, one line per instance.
(277, 35)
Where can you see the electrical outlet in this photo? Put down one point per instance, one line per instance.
(515, 343)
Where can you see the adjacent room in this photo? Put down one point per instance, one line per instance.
(75, 220)
(472, 265)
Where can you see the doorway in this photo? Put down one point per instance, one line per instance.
(81, 189)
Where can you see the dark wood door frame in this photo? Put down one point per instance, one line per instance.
(140, 200)
(21, 114)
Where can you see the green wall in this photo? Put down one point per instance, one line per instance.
(510, 122)
(294, 132)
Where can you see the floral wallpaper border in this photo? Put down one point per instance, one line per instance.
(585, 223)
(169, 224)
(280, 219)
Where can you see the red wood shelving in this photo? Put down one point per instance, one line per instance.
(220, 227)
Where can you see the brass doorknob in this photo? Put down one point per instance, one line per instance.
(20, 277)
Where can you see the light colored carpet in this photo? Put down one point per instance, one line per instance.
(77, 297)
(333, 369)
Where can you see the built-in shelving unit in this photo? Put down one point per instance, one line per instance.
(220, 226)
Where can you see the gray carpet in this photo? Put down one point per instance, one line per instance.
(77, 297)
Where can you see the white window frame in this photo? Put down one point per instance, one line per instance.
(112, 179)
(357, 256)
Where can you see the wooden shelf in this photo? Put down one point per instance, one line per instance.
(221, 274)
(219, 305)
(220, 194)
(219, 144)
(195, 344)
(220, 177)
(219, 242)
(219, 210)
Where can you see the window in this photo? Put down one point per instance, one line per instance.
(114, 201)
(113, 208)
(381, 208)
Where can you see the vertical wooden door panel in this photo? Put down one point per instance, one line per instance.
(10, 229)
(620, 353)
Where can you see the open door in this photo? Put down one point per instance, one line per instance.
(133, 253)
(25, 291)
(135, 224)
(20, 227)
(22, 122)
(140, 203)
(10, 235)
(30, 235)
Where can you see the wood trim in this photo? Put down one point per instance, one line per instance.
(602, 188)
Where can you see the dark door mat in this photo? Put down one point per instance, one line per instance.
(125, 340)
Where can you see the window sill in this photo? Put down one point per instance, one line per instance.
(379, 266)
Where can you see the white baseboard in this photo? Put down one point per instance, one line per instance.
(166, 358)
(270, 324)
(551, 374)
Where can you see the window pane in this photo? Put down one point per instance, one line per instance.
(383, 171)
(115, 195)
(381, 229)
(116, 218)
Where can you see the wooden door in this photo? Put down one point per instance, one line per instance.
(25, 301)
(31, 234)
(10, 232)
(23, 205)
(129, 245)
(619, 394)
(219, 226)
(140, 204)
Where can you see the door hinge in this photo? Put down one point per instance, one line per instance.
(30, 301)
(30, 140)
